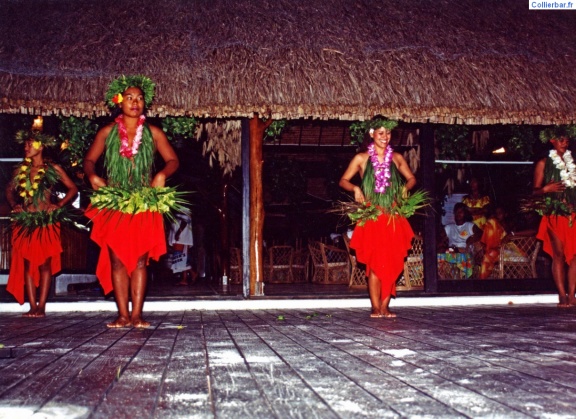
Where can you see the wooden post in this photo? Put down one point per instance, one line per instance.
(428, 184)
(245, 207)
(257, 128)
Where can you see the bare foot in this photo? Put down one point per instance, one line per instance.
(31, 313)
(140, 323)
(40, 312)
(388, 314)
(563, 302)
(375, 314)
(119, 322)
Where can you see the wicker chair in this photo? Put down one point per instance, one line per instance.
(413, 278)
(235, 265)
(518, 257)
(358, 273)
(280, 264)
(300, 265)
(331, 264)
(5, 244)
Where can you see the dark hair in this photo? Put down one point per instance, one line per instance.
(464, 207)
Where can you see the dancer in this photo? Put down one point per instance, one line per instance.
(382, 241)
(36, 216)
(126, 208)
(555, 180)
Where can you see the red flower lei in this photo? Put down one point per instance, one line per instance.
(125, 150)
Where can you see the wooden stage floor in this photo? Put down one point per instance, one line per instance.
(506, 361)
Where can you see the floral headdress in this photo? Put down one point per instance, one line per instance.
(37, 137)
(120, 84)
(558, 131)
(377, 123)
(359, 129)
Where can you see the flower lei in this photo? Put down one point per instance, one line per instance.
(125, 150)
(566, 166)
(381, 169)
(25, 187)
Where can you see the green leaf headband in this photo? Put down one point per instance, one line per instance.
(557, 131)
(123, 82)
(389, 124)
(24, 135)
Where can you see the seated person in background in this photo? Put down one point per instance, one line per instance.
(496, 232)
(477, 203)
(463, 233)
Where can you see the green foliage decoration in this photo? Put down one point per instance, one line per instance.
(25, 135)
(179, 129)
(120, 84)
(557, 131)
(76, 136)
(453, 142)
(273, 132)
(164, 200)
(359, 130)
(27, 222)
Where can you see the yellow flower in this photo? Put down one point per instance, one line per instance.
(23, 168)
(34, 186)
(28, 160)
(41, 171)
(37, 177)
(36, 144)
(23, 194)
(64, 145)
(31, 193)
(21, 176)
(75, 164)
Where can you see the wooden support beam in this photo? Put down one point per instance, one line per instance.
(245, 138)
(428, 183)
(257, 129)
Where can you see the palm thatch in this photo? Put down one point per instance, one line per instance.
(449, 61)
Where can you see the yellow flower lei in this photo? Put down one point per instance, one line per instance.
(25, 187)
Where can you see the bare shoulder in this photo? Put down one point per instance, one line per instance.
(361, 157)
(105, 130)
(155, 130)
(540, 163)
(396, 155)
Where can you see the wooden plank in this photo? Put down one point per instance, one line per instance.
(186, 387)
(438, 362)
(283, 388)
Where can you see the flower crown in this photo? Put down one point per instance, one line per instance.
(36, 136)
(557, 131)
(377, 123)
(120, 84)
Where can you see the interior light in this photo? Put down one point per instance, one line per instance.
(500, 150)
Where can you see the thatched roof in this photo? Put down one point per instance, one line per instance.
(471, 61)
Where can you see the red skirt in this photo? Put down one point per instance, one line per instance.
(560, 226)
(42, 244)
(129, 236)
(382, 245)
